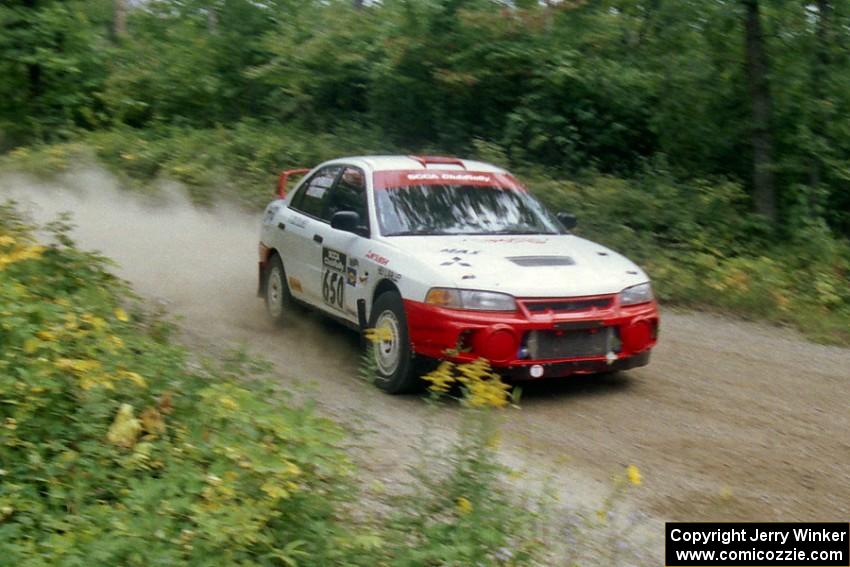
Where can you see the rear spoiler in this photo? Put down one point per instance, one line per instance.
(284, 177)
(425, 160)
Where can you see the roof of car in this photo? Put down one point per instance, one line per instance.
(399, 162)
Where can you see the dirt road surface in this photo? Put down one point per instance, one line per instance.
(731, 420)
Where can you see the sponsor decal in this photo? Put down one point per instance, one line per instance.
(316, 192)
(377, 258)
(351, 272)
(450, 177)
(333, 259)
(456, 261)
(295, 220)
(333, 277)
(389, 274)
(405, 178)
(459, 251)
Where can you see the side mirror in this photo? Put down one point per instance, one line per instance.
(569, 220)
(348, 221)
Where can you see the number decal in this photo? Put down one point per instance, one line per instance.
(333, 278)
(333, 288)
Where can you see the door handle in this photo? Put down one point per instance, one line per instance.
(281, 226)
(318, 238)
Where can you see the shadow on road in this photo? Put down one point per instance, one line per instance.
(538, 391)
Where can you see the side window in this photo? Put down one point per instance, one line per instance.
(313, 195)
(349, 195)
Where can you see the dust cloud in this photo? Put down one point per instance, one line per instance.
(201, 262)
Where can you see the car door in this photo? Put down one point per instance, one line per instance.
(302, 238)
(339, 269)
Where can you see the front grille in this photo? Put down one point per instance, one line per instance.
(544, 345)
(541, 261)
(568, 305)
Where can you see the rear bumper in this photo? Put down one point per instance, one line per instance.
(602, 338)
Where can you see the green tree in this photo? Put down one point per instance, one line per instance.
(52, 60)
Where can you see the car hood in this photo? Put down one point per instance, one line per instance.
(524, 266)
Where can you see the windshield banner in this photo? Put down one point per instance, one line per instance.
(390, 179)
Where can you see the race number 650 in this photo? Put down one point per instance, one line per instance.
(333, 288)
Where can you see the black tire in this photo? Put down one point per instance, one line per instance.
(276, 291)
(393, 359)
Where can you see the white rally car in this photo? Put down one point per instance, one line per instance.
(458, 261)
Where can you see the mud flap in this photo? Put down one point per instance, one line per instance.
(362, 322)
(261, 278)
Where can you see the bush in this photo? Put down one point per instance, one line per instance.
(240, 163)
(116, 450)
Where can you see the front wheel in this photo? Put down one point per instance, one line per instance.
(278, 299)
(392, 353)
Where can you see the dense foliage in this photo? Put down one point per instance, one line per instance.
(569, 85)
(114, 450)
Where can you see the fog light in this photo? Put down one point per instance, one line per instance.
(536, 371)
(637, 336)
(497, 345)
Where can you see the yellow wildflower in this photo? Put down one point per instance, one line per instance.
(20, 254)
(274, 491)
(379, 334)
(135, 378)
(441, 378)
(31, 345)
(293, 469)
(633, 475)
(125, 429)
(96, 322)
(464, 506)
(77, 365)
(121, 315)
(46, 336)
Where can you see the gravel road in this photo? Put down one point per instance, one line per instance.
(730, 421)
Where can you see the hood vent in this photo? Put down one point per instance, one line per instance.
(541, 261)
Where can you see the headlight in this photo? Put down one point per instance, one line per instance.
(470, 299)
(640, 293)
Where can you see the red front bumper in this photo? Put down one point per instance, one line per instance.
(557, 336)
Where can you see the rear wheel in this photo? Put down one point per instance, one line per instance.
(278, 299)
(392, 352)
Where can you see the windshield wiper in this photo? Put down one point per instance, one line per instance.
(419, 233)
(517, 232)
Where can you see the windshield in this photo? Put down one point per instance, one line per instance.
(460, 209)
